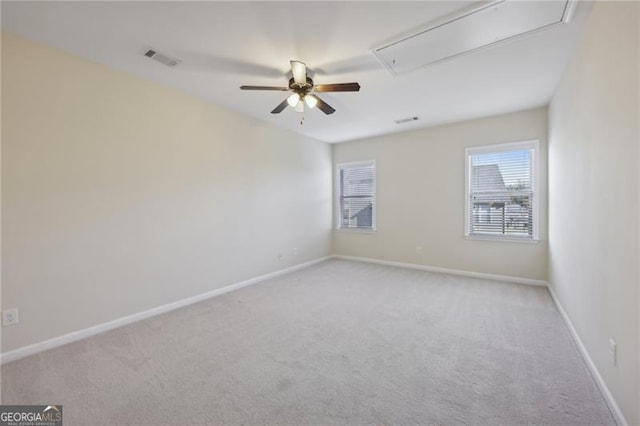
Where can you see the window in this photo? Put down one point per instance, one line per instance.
(502, 191)
(356, 183)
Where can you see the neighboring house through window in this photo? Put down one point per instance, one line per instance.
(502, 191)
(356, 184)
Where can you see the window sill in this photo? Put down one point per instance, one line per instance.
(503, 239)
(357, 230)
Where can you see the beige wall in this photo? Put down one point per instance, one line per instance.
(421, 198)
(120, 195)
(593, 195)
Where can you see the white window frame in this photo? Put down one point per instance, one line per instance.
(533, 145)
(338, 190)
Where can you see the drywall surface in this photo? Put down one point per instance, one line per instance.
(120, 195)
(593, 195)
(421, 198)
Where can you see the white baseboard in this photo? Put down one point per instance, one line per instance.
(611, 402)
(516, 280)
(110, 325)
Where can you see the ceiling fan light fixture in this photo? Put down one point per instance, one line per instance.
(293, 100)
(301, 86)
(299, 71)
(311, 101)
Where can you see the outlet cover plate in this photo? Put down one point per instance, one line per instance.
(10, 317)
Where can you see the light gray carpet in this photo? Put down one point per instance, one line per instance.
(337, 343)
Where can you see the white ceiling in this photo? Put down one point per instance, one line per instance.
(224, 45)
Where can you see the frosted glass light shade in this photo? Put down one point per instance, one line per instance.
(310, 100)
(293, 100)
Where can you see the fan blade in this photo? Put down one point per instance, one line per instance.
(340, 87)
(280, 108)
(263, 88)
(299, 71)
(324, 107)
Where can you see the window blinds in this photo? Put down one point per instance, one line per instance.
(501, 192)
(356, 187)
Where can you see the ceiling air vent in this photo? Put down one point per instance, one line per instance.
(406, 120)
(472, 30)
(163, 59)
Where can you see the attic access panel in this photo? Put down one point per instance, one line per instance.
(473, 30)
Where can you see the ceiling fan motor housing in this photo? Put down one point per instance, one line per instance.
(301, 89)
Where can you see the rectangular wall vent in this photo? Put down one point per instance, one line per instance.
(472, 30)
(406, 120)
(163, 59)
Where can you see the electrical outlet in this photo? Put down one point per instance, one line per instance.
(418, 249)
(10, 317)
(613, 352)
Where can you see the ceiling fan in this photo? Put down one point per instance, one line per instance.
(304, 91)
